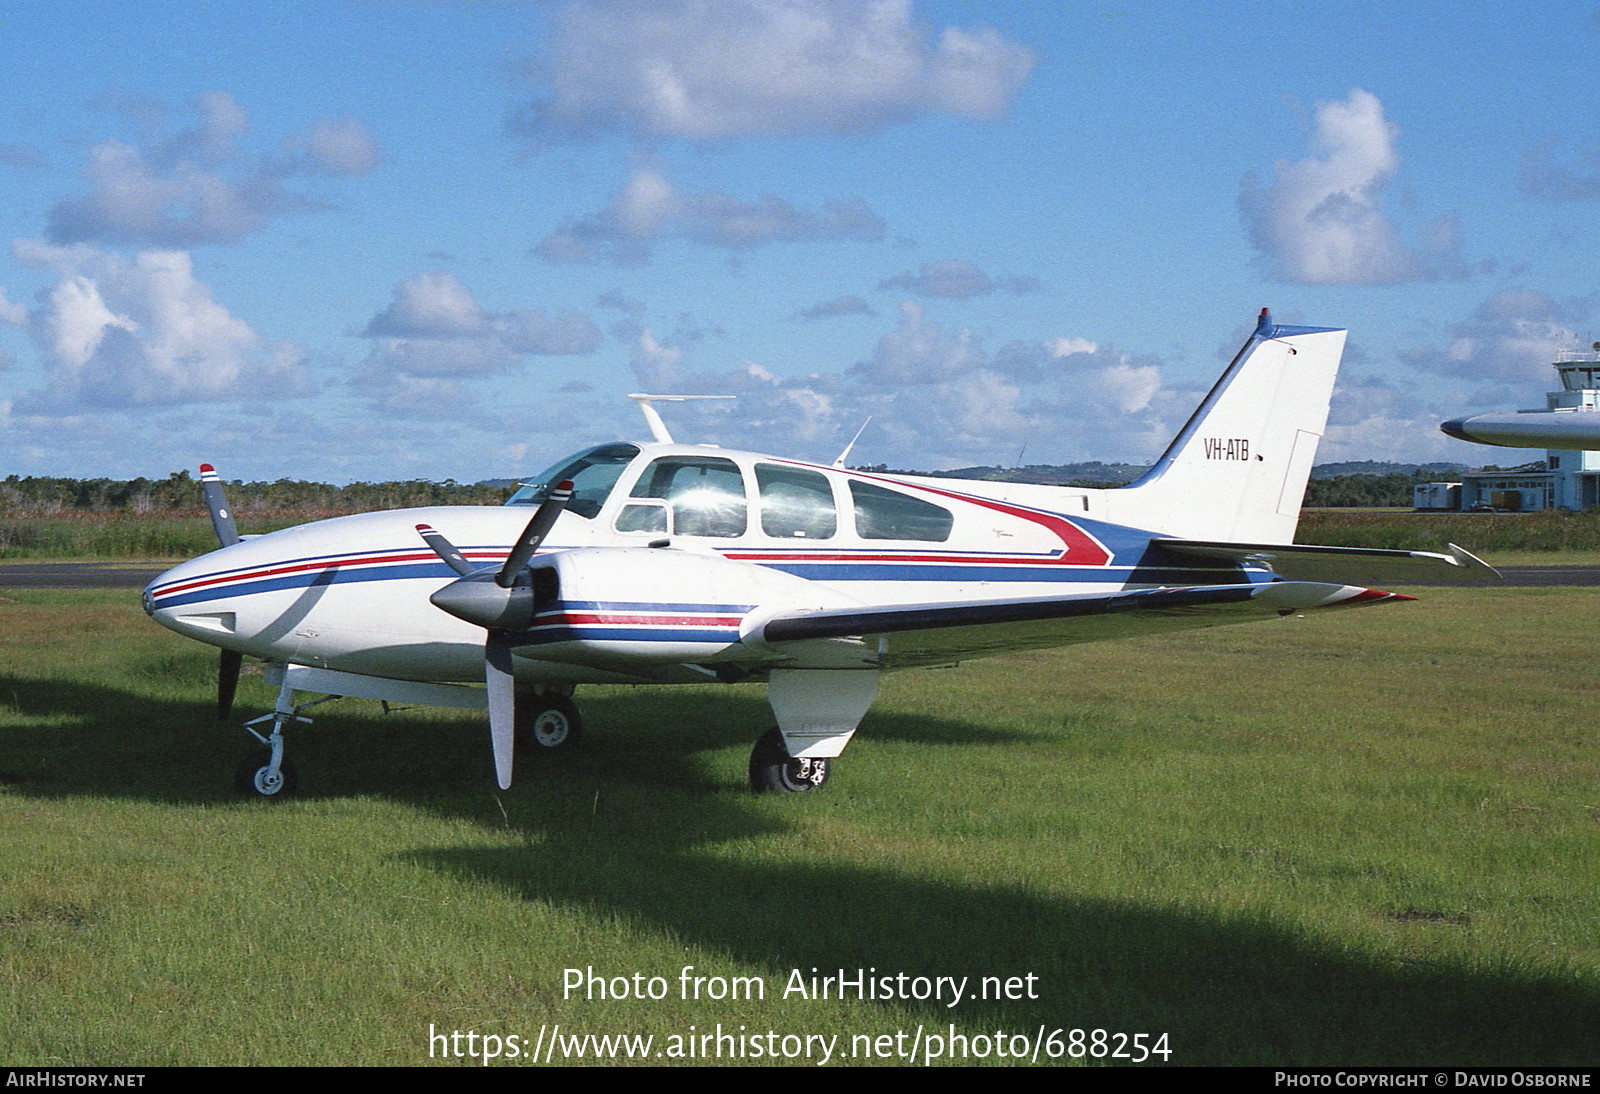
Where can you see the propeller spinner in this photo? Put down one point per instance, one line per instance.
(500, 601)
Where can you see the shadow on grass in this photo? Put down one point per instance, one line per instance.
(629, 826)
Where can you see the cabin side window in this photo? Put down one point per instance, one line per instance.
(889, 514)
(795, 503)
(705, 493)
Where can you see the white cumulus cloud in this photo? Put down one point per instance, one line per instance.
(936, 399)
(198, 187)
(117, 332)
(709, 69)
(1322, 220)
(956, 279)
(434, 333)
(1508, 342)
(649, 209)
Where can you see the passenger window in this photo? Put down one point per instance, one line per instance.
(795, 503)
(706, 494)
(889, 514)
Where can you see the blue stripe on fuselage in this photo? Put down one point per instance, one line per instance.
(334, 574)
(863, 570)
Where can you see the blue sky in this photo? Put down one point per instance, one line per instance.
(373, 240)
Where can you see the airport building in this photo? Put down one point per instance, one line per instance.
(1568, 479)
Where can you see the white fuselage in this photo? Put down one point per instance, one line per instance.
(685, 546)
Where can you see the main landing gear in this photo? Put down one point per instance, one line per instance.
(547, 720)
(773, 770)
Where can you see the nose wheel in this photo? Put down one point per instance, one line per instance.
(265, 773)
(259, 776)
(773, 770)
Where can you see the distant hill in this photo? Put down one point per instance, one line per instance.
(1097, 473)
(1379, 467)
(1092, 473)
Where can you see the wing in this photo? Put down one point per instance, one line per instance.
(908, 635)
(1300, 562)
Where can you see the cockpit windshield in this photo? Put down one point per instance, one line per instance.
(593, 473)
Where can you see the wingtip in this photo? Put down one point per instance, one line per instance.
(1475, 567)
(1376, 596)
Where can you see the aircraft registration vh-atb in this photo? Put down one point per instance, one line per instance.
(669, 563)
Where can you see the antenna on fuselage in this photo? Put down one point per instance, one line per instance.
(658, 428)
(839, 463)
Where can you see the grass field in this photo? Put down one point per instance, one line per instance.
(1360, 839)
(124, 535)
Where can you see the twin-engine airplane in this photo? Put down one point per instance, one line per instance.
(669, 563)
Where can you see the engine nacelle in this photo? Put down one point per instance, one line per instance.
(655, 603)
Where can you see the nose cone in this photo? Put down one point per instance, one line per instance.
(184, 599)
(158, 596)
(1456, 427)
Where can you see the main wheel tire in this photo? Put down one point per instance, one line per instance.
(773, 770)
(548, 722)
(252, 778)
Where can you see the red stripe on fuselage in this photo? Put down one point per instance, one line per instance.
(259, 573)
(1079, 548)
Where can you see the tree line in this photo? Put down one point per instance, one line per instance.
(1365, 491)
(180, 492)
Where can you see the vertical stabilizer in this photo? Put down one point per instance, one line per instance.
(1238, 469)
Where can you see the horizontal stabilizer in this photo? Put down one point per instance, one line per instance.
(1362, 565)
(907, 635)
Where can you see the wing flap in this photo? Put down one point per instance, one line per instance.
(908, 635)
(1368, 565)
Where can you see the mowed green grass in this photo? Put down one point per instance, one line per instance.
(1367, 837)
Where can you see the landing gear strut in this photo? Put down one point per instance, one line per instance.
(773, 770)
(264, 772)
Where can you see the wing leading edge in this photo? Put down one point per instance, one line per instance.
(910, 635)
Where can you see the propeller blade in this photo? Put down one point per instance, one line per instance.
(493, 606)
(502, 704)
(227, 681)
(445, 550)
(217, 504)
(538, 527)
